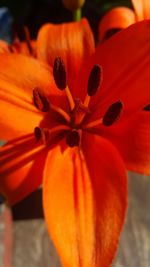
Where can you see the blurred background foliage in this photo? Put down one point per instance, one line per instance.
(34, 13)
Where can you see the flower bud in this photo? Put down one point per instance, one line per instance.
(73, 5)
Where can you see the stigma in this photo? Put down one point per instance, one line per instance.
(70, 124)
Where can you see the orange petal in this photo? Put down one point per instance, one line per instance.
(85, 202)
(25, 73)
(132, 138)
(138, 7)
(146, 4)
(17, 117)
(142, 9)
(21, 168)
(4, 48)
(73, 42)
(117, 18)
(19, 75)
(126, 70)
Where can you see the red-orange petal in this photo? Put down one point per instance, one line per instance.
(73, 42)
(85, 202)
(116, 18)
(132, 138)
(25, 50)
(19, 75)
(21, 168)
(142, 9)
(126, 70)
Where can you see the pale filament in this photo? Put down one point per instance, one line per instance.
(61, 112)
(53, 130)
(93, 124)
(59, 128)
(70, 98)
(87, 100)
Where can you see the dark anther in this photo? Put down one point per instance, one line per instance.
(113, 113)
(59, 73)
(41, 134)
(38, 133)
(40, 101)
(73, 138)
(95, 79)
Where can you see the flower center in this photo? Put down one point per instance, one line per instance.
(71, 124)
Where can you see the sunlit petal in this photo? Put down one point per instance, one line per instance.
(21, 167)
(142, 9)
(86, 211)
(73, 42)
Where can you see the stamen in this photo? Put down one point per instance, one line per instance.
(73, 138)
(70, 98)
(41, 134)
(59, 128)
(95, 79)
(92, 124)
(113, 113)
(94, 83)
(44, 133)
(40, 101)
(28, 39)
(61, 112)
(59, 73)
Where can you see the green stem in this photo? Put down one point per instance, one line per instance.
(77, 14)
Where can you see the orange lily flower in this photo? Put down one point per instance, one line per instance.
(121, 17)
(76, 125)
